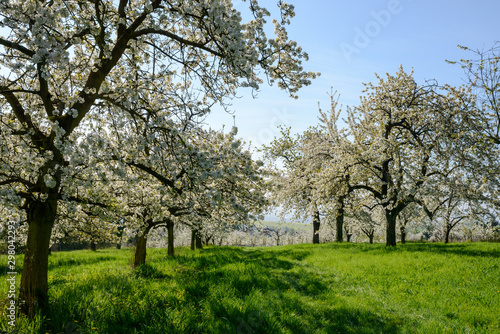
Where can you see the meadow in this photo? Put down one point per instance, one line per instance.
(326, 288)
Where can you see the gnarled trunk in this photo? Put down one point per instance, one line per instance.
(140, 248)
(316, 224)
(33, 292)
(390, 228)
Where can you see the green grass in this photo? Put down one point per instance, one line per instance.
(327, 288)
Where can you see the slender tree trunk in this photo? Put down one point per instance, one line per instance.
(340, 220)
(390, 229)
(447, 234)
(170, 241)
(120, 235)
(347, 234)
(371, 238)
(316, 224)
(193, 238)
(33, 292)
(93, 246)
(403, 234)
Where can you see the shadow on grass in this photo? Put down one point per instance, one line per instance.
(218, 290)
(461, 249)
(148, 271)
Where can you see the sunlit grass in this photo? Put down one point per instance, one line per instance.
(328, 288)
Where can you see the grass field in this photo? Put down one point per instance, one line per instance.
(327, 288)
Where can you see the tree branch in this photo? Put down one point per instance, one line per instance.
(17, 47)
(179, 39)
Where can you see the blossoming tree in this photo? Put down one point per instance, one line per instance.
(63, 61)
(402, 134)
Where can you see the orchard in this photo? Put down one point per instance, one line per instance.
(103, 138)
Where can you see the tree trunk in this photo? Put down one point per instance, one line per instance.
(199, 244)
(170, 241)
(390, 228)
(371, 238)
(33, 292)
(347, 234)
(340, 220)
(93, 246)
(447, 234)
(193, 238)
(140, 248)
(403, 234)
(120, 235)
(316, 223)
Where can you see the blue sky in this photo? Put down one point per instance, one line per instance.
(349, 41)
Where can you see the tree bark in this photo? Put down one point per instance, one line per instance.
(93, 246)
(120, 235)
(447, 234)
(316, 224)
(403, 234)
(391, 228)
(340, 220)
(371, 238)
(347, 234)
(170, 241)
(33, 292)
(199, 243)
(193, 238)
(140, 248)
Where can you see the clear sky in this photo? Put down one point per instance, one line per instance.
(349, 41)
